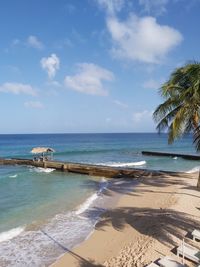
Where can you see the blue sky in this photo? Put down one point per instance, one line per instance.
(90, 65)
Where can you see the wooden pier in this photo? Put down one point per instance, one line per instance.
(89, 169)
(168, 154)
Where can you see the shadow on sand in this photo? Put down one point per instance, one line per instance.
(81, 261)
(161, 224)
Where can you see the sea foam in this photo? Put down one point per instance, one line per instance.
(83, 207)
(40, 169)
(43, 246)
(126, 164)
(13, 176)
(193, 170)
(87, 204)
(4, 236)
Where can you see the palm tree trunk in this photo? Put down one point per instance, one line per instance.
(195, 123)
(198, 182)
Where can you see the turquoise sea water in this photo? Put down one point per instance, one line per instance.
(42, 214)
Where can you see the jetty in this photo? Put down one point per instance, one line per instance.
(168, 154)
(90, 169)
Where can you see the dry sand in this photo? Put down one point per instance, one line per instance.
(147, 223)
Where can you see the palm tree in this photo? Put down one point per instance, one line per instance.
(180, 111)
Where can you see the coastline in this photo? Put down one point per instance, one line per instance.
(146, 224)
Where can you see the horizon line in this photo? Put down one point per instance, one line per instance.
(37, 133)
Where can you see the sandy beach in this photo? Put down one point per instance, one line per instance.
(146, 224)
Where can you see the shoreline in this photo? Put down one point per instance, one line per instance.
(130, 233)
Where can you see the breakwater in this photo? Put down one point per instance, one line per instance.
(168, 154)
(89, 169)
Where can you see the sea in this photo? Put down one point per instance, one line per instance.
(45, 213)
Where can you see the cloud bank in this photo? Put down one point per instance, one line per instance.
(111, 6)
(136, 38)
(18, 88)
(50, 64)
(89, 79)
(34, 42)
(154, 6)
(141, 39)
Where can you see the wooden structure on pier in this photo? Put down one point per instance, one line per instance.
(44, 152)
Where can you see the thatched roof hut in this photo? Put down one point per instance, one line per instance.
(41, 150)
(44, 153)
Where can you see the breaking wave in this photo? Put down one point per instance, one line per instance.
(125, 164)
(7, 235)
(193, 170)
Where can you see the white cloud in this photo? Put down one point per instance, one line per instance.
(157, 7)
(34, 104)
(152, 84)
(89, 79)
(141, 39)
(111, 6)
(120, 104)
(18, 88)
(34, 42)
(142, 115)
(51, 64)
(54, 84)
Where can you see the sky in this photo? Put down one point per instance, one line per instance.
(81, 66)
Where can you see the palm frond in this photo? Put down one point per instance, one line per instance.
(180, 111)
(166, 120)
(165, 108)
(178, 124)
(196, 137)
